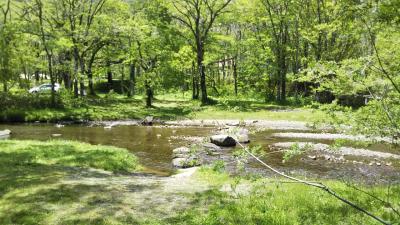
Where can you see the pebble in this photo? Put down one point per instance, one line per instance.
(313, 157)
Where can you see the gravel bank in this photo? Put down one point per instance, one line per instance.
(345, 151)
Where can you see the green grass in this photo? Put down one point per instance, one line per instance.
(66, 153)
(35, 188)
(277, 202)
(166, 107)
(32, 174)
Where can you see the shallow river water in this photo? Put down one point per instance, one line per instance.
(154, 145)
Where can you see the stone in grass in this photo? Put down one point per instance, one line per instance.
(223, 140)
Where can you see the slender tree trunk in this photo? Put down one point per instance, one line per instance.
(149, 94)
(235, 77)
(109, 76)
(223, 72)
(91, 84)
(122, 79)
(76, 72)
(82, 83)
(202, 73)
(132, 79)
(37, 76)
(194, 82)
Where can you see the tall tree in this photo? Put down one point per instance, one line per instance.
(199, 17)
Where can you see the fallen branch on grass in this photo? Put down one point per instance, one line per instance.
(317, 185)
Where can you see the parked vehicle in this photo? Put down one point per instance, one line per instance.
(45, 88)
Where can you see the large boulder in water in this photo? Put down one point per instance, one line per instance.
(223, 140)
(5, 132)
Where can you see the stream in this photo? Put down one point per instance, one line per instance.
(153, 146)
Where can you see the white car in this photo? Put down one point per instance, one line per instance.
(45, 88)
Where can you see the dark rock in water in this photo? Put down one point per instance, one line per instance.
(148, 121)
(211, 147)
(223, 140)
(5, 133)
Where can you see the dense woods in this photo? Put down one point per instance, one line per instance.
(344, 52)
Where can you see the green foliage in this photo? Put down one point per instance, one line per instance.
(280, 203)
(295, 150)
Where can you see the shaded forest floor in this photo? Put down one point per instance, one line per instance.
(165, 107)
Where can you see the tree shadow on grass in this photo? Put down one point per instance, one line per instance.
(43, 194)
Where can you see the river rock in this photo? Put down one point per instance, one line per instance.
(5, 133)
(212, 147)
(56, 135)
(181, 150)
(148, 121)
(243, 138)
(241, 135)
(185, 162)
(223, 140)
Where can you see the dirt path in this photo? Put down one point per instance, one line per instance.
(143, 196)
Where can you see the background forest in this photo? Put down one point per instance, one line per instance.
(292, 52)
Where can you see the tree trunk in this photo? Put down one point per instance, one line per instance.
(109, 76)
(194, 85)
(76, 71)
(37, 76)
(132, 78)
(149, 94)
(67, 80)
(82, 83)
(76, 88)
(202, 74)
(5, 86)
(91, 84)
(235, 77)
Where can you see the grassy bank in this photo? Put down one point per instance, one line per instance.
(54, 183)
(31, 173)
(167, 107)
(266, 201)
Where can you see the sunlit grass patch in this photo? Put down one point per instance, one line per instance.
(279, 202)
